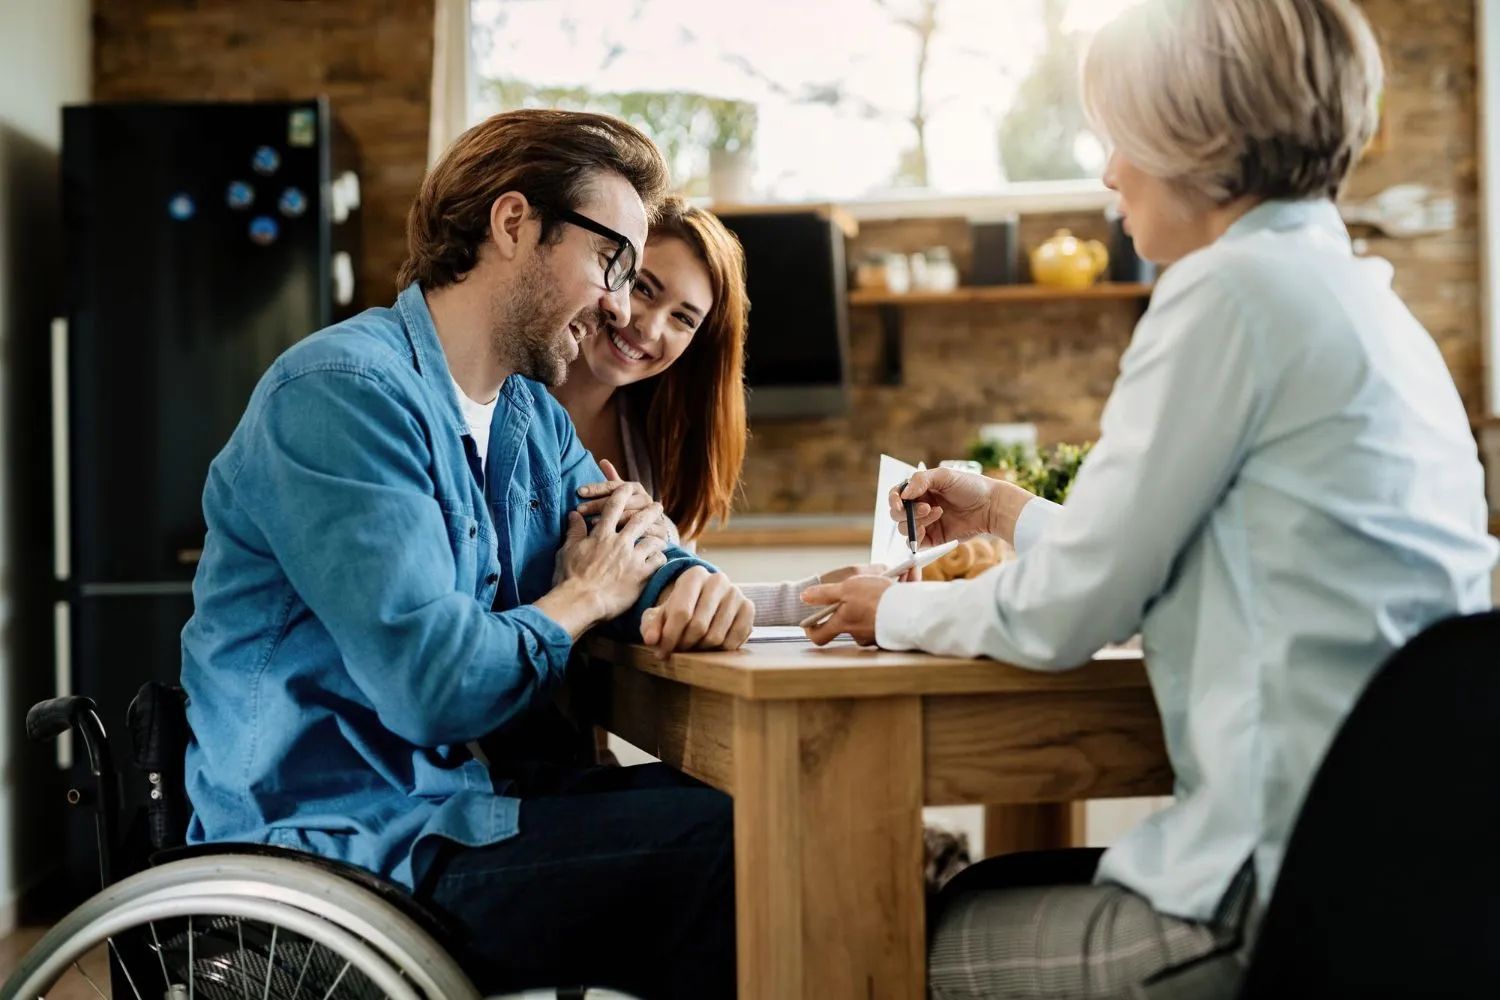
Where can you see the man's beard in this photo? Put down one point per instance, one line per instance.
(530, 333)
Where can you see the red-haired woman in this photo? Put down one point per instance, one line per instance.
(662, 400)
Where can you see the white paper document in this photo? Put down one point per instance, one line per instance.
(887, 541)
(784, 633)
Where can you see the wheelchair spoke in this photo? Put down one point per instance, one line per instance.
(166, 980)
(297, 992)
(270, 964)
(123, 967)
(239, 929)
(336, 982)
(89, 980)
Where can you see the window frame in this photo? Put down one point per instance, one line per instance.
(1489, 195)
(456, 83)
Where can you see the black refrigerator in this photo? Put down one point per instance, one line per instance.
(200, 241)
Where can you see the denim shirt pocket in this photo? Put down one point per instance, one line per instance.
(542, 497)
(463, 536)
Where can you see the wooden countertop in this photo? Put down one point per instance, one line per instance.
(801, 670)
(757, 530)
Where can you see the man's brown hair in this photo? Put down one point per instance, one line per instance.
(549, 156)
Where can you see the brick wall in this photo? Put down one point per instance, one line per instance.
(1052, 364)
(1431, 111)
(373, 58)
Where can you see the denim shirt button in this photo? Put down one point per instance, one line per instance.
(534, 503)
(492, 578)
(473, 531)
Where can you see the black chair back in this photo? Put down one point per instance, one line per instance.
(1391, 881)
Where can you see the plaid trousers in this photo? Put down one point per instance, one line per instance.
(1020, 931)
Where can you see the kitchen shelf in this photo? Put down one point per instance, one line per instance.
(891, 305)
(1000, 293)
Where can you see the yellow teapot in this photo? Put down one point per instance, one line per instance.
(1065, 261)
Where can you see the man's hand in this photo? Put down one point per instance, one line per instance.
(858, 598)
(698, 610)
(601, 573)
(636, 499)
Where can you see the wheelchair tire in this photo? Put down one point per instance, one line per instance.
(390, 955)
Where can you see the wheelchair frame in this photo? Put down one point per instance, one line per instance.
(304, 897)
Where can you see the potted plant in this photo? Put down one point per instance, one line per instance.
(730, 157)
(1047, 472)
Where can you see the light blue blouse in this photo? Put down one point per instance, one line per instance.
(1285, 490)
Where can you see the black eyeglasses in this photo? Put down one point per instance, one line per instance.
(620, 270)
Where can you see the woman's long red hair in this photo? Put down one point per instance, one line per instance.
(695, 410)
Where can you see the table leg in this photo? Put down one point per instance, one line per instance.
(828, 848)
(1033, 827)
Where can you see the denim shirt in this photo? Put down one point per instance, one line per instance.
(362, 608)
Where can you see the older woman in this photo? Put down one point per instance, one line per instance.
(1284, 491)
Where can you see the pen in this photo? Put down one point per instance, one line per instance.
(822, 614)
(911, 519)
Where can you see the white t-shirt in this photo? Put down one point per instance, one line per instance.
(478, 417)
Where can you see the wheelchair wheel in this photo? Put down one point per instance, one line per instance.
(232, 927)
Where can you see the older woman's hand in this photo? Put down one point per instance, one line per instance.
(952, 504)
(949, 504)
(857, 598)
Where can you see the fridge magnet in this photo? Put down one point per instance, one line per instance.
(240, 195)
(301, 127)
(180, 207)
(266, 161)
(263, 230)
(293, 203)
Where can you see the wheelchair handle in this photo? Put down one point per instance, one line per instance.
(56, 716)
(52, 718)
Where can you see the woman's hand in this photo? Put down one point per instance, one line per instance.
(698, 610)
(845, 572)
(952, 504)
(606, 568)
(857, 598)
(636, 499)
(869, 569)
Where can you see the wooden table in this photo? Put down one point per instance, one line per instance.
(830, 755)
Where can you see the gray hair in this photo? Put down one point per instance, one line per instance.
(1235, 98)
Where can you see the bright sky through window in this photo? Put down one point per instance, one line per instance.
(827, 92)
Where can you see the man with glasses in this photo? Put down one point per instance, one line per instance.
(394, 569)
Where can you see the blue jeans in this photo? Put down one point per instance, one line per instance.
(620, 877)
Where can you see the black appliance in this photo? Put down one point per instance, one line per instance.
(797, 348)
(997, 253)
(200, 241)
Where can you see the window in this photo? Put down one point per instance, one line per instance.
(787, 100)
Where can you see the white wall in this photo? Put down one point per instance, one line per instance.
(45, 55)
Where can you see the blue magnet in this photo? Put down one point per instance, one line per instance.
(293, 203)
(263, 230)
(266, 160)
(240, 195)
(181, 207)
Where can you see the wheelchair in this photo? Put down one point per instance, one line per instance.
(223, 921)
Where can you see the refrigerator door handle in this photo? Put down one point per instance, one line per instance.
(62, 667)
(62, 556)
